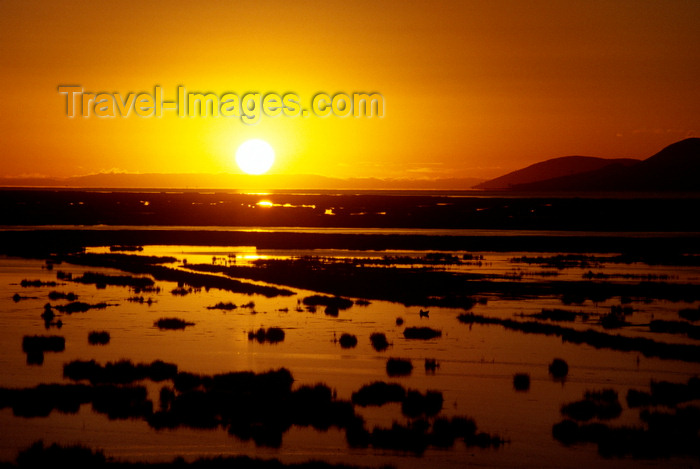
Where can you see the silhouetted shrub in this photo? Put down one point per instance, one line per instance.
(54, 295)
(172, 323)
(378, 340)
(690, 314)
(558, 368)
(521, 381)
(121, 372)
(424, 333)
(347, 340)
(336, 302)
(39, 343)
(76, 456)
(378, 393)
(398, 367)
(416, 404)
(272, 335)
(225, 306)
(79, 307)
(37, 283)
(603, 405)
(98, 338)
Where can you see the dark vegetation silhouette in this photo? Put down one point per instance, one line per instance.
(690, 314)
(424, 333)
(421, 287)
(250, 406)
(398, 367)
(559, 369)
(663, 433)
(272, 335)
(79, 307)
(228, 306)
(648, 347)
(98, 338)
(55, 295)
(27, 207)
(521, 382)
(149, 265)
(78, 456)
(378, 393)
(347, 340)
(172, 323)
(601, 405)
(665, 393)
(35, 346)
(120, 372)
(379, 341)
(37, 283)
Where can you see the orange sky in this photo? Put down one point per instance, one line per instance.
(472, 89)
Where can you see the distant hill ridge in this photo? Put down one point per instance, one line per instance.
(674, 168)
(238, 182)
(550, 169)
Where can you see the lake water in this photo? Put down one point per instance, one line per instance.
(477, 363)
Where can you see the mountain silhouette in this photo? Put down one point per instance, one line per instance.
(674, 168)
(226, 181)
(550, 169)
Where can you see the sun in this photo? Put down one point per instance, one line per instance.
(255, 156)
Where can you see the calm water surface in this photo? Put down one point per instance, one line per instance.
(475, 374)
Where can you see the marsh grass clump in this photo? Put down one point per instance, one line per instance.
(35, 346)
(667, 434)
(399, 367)
(558, 368)
(556, 315)
(613, 320)
(172, 323)
(665, 393)
(38, 455)
(379, 342)
(140, 300)
(98, 338)
(416, 404)
(690, 314)
(431, 365)
(675, 327)
(182, 291)
(424, 333)
(378, 393)
(79, 307)
(102, 280)
(597, 339)
(224, 306)
(17, 297)
(125, 248)
(272, 335)
(333, 302)
(26, 283)
(418, 435)
(347, 340)
(603, 405)
(521, 381)
(120, 372)
(36, 343)
(55, 295)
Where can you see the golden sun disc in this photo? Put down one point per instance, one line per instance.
(255, 157)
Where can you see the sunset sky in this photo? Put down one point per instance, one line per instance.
(471, 88)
